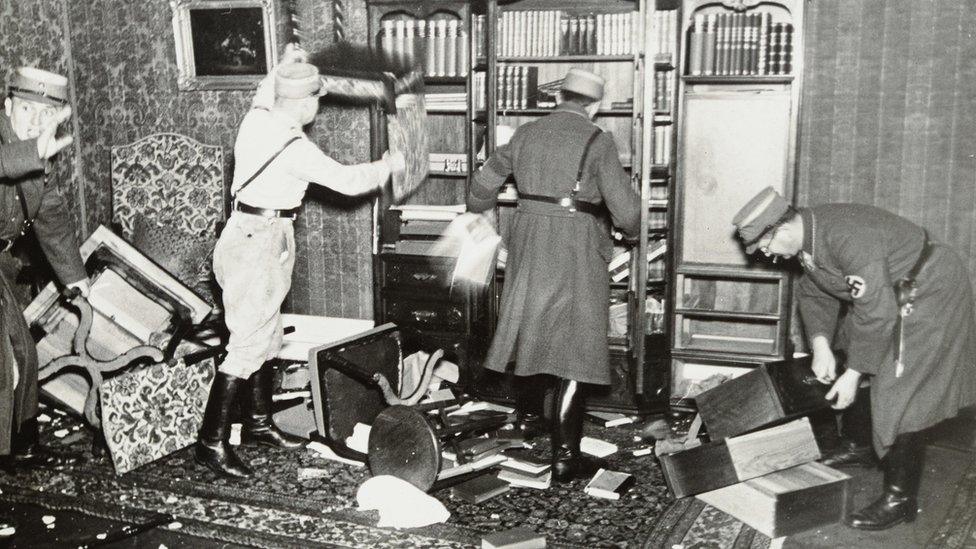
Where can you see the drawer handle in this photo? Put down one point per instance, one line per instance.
(424, 277)
(423, 315)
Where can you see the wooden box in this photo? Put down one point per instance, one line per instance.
(722, 463)
(786, 502)
(772, 392)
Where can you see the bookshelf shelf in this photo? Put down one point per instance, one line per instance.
(545, 111)
(739, 79)
(445, 80)
(705, 313)
(436, 173)
(573, 59)
(446, 110)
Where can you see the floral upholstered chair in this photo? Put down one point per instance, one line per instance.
(168, 201)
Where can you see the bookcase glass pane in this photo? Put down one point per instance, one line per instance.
(739, 336)
(734, 145)
(691, 377)
(740, 296)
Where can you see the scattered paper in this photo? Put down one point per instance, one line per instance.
(291, 394)
(48, 519)
(400, 504)
(7, 532)
(103, 535)
(43, 418)
(235, 435)
(324, 451)
(473, 241)
(646, 451)
(175, 525)
(359, 439)
(61, 433)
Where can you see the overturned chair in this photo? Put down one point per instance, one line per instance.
(358, 380)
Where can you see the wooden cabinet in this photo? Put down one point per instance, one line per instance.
(738, 104)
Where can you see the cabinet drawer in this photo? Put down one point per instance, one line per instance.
(418, 273)
(426, 314)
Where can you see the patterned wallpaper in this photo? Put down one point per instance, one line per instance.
(888, 113)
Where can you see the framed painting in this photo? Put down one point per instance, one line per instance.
(223, 44)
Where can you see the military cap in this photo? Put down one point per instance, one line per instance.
(39, 85)
(760, 215)
(584, 83)
(298, 81)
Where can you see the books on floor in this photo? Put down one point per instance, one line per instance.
(479, 489)
(597, 447)
(455, 470)
(609, 484)
(609, 419)
(515, 538)
(525, 480)
(525, 463)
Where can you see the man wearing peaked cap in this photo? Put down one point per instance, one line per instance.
(553, 319)
(35, 105)
(909, 326)
(274, 162)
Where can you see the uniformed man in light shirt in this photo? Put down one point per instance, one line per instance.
(253, 260)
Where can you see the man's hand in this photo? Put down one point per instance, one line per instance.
(844, 390)
(82, 286)
(824, 367)
(396, 161)
(48, 144)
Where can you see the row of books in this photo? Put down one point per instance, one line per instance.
(663, 90)
(619, 266)
(749, 44)
(439, 101)
(448, 162)
(662, 148)
(442, 44)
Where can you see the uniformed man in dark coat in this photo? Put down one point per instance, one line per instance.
(36, 104)
(910, 325)
(554, 312)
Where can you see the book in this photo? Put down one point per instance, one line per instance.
(609, 484)
(520, 461)
(597, 447)
(515, 538)
(479, 489)
(608, 419)
(455, 470)
(522, 480)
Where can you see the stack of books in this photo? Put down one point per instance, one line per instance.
(445, 101)
(525, 470)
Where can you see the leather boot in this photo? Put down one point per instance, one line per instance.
(568, 463)
(850, 454)
(899, 502)
(212, 448)
(26, 451)
(258, 426)
(529, 420)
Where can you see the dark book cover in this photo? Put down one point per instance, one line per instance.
(516, 538)
(479, 489)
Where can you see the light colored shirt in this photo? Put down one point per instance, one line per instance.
(283, 183)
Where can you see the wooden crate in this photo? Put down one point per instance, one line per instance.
(725, 462)
(786, 502)
(771, 393)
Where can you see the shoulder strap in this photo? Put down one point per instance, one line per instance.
(267, 163)
(586, 152)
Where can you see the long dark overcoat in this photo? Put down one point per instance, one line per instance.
(858, 253)
(554, 306)
(55, 231)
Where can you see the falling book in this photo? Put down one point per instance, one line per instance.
(479, 489)
(609, 484)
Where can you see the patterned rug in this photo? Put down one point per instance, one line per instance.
(277, 509)
(691, 524)
(958, 530)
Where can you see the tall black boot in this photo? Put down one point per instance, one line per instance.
(26, 451)
(258, 426)
(529, 398)
(567, 462)
(856, 447)
(899, 502)
(212, 448)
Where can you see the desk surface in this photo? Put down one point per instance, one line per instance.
(313, 331)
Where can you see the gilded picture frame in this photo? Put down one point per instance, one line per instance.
(223, 44)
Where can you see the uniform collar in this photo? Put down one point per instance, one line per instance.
(7, 134)
(569, 106)
(809, 234)
(280, 119)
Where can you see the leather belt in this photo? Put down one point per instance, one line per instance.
(568, 203)
(266, 212)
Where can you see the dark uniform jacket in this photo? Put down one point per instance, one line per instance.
(554, 307)
(858, 254)
(54, 229)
